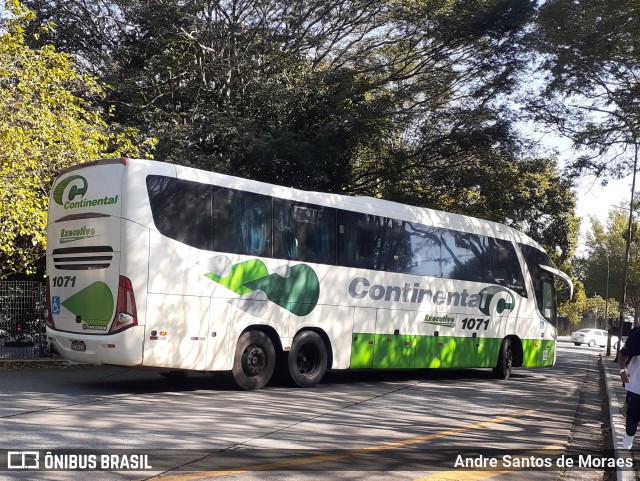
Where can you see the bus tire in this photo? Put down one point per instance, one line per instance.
(254, 360)
(505, 361)
(307, 360)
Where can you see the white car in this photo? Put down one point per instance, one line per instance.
(593, 337)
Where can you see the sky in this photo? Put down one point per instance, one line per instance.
(595, 200)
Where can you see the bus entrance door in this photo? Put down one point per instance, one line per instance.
(363, 339)
(395, 345)
(434, 348)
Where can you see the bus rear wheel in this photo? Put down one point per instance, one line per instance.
(505, 361)
(307, 360)
(254, 360)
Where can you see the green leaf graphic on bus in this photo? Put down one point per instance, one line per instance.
(297, 293)
(77, 184)
(241, 274)
(296, 289)
(496, 300)
(94, 304)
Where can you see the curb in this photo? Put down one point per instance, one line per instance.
(29, 363)
(617, 422)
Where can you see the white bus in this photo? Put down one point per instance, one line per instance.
(176, 269)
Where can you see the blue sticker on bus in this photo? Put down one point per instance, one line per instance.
(55, 304)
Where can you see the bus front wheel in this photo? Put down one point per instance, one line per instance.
(505, 361)
(307, 360)
(254, 360)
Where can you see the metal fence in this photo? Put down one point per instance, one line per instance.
(565, 328)
(22, 326)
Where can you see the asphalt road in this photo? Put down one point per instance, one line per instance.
(411, 425)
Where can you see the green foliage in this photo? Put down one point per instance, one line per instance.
(48, 122)
(574, 308)
(581, 305)
(401, 99)
(606, 257)
(591, 57)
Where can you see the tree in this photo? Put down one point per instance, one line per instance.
(393, 99)
(48, 121)
(591, 56)
(609, 241)
(574, 308)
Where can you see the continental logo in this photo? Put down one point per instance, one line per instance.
(490, 300)
(294, 288)
(70, 194)
(496, 300)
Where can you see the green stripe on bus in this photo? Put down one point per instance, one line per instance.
(534, 350)
(381, 351)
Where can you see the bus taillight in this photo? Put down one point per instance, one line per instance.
(126, 315)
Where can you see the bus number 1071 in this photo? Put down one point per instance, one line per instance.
(64, 281)
(477, 324)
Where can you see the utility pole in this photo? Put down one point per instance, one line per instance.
(606, 312)
(628, 248)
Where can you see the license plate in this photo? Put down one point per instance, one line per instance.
(79, 346)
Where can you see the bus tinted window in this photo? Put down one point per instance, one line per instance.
(304, 232)
(241, 222)
(472, 257)
(549, 301)
(237, 222)
(363, 240)
(426, 255)
(437, 252)
(534, 259)
(504, 268)
(211, 218)
(462, 256)
(181, 210)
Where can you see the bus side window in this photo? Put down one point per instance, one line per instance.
(425, 248)
(363, 240)
(304, 232)
(462, 257)
(503, 266)
(549, 300)
(241, 222)
(543, 287)
(181, 210)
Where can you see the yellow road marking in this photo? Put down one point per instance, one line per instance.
(347, 454)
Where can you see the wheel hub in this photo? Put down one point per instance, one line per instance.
(253, 360)
(306, 361)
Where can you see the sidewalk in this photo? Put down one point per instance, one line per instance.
(616, 394)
